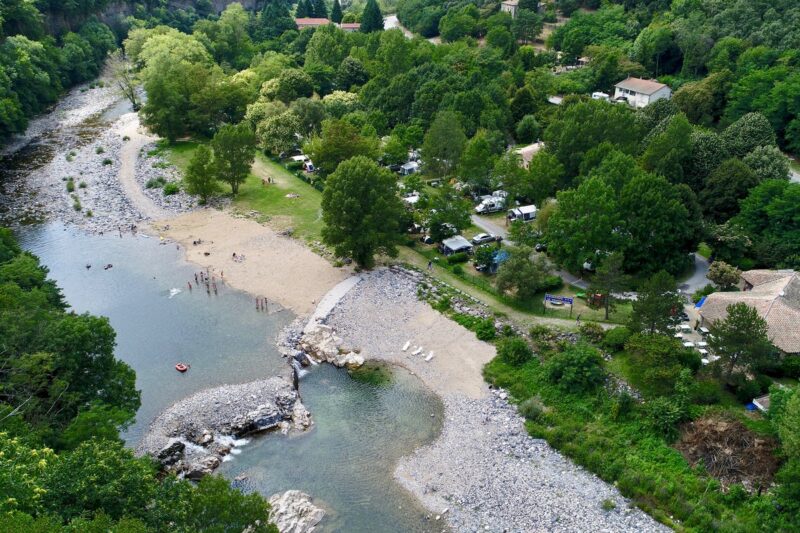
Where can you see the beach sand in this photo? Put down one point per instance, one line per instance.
(278, 268)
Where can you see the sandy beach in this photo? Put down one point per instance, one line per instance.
(276, 267)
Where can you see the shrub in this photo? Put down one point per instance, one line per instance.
(705, 291)
(614, 339)
(82, 185)
(294, 166)
(485, 330)
(706, 392)
(126, 138)
(791, 366)
(458, 270)
(155, 183)
(663, 415)
(593, 332)
(532, 409)
(539, 332)
(107, 162)
(99, 150)
(621, 405)
(89, 213)
(457, 258)
(171, 188)
(608, 505)
(443, 304)
(514, 351)
(70, 185)
(552, 283)
(576, 369)
(76, 203)
(747, 389)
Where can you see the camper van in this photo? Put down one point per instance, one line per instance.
(492, 204)
(525, 213)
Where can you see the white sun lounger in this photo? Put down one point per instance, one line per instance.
(417, 351)
(406, 345)
(430, 356)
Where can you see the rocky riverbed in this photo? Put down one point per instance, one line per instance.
(484, 473)
(194, 435)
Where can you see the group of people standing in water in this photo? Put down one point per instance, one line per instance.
(206, 279)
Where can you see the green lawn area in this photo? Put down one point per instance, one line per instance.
(302, 213)
(484, 285)
(180, 153)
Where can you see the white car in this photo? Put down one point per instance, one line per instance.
(483, 238)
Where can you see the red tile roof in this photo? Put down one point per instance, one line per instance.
(308, 21)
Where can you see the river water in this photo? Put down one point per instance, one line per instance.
(360, 429)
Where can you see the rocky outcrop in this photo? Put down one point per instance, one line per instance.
(294, 512)
(321, 343)
(194, 435)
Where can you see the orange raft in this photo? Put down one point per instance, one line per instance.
(181, 367)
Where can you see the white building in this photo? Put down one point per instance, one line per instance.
(640, 93)
(510, 7)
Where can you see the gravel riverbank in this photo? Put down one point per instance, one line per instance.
(484, 473)
(194, 435)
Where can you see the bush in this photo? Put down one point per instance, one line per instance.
(591, 331)
(532, 409)
(663, 415)
(539, 332)
(171, 188)
(614, 339)
(457, 258)
(458, 270)
(576, 369)
(705, 291)
(552, 283)
(514, 351)
(107, 162)
(706, 392)
(790, 367)
(155, 183)
(89, 213)
(746, 389)
(443, 304)
(70, 185)
(621, 405)
(99, 150)
(294, 166)
(82, 185)
(126, 138)
(484, 329)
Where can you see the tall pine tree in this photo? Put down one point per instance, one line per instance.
(303, 10)
(320, 9)
(336, 12)
(371, 19)
(275, 19)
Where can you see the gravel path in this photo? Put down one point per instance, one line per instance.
(484, 473)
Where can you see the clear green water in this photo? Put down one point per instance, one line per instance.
(360, 428)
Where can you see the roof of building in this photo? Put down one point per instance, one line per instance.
(776, 297)
(527, 152)
(640, 86)
(309, 21)
(350, 25)
(523, 209)
(457, 243)
(510, 2)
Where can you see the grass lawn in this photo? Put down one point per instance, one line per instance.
(484, 289)
(704, 250)
(180, 153)
(303, 213)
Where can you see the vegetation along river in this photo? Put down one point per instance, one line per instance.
(361, 427)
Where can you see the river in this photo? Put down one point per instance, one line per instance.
(345, 461)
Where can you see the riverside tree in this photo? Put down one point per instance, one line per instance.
(200, 177)
(609, 279)
(372, 18)
(361, 211)
(444, 143)
(520, 275)
(234, 152)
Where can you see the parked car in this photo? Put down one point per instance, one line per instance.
(426, 239)
(483, 238)
(492, 204)
(540, 247)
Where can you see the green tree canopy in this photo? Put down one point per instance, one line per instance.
(234, 153)
(361, 211)
(657, 306)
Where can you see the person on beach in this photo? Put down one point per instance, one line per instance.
(195, 277)
(430, 265)
(189, 283)
(578, 320)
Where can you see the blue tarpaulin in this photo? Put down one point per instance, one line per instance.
(700, 302)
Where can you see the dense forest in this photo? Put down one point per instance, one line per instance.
(63, 398)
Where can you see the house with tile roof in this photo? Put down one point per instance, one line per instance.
(775, 294)
(640, 93)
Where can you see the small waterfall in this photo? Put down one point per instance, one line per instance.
(298, 368)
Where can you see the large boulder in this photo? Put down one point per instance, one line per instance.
(294, 512)
(322, 343)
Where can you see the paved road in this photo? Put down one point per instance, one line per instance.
(699, 279)
(491, 226)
